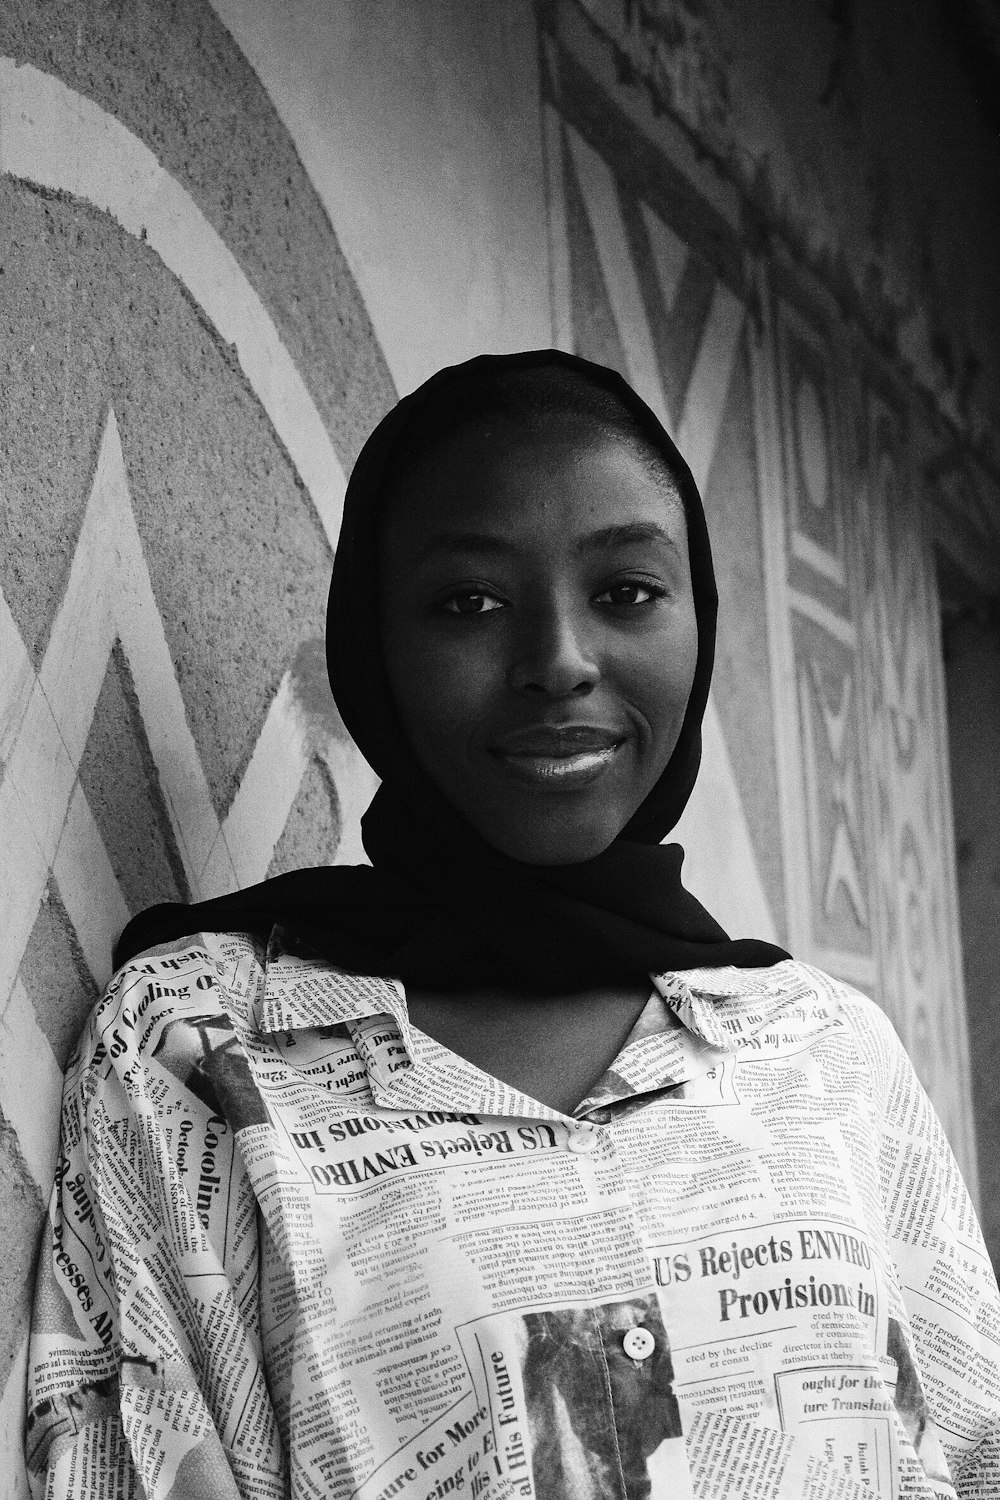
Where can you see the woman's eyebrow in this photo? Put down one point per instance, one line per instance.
(620, 535)
(627, 532)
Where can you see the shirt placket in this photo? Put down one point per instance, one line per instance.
(610, 1364)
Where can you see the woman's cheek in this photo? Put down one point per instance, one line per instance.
(444, 694)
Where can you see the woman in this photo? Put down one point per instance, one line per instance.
(498, 1167)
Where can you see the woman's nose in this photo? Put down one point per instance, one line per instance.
(554, 657)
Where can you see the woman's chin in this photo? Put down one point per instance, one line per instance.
(538, 844)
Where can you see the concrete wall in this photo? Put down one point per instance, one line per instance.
(230, 235)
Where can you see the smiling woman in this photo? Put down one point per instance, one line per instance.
(512, 450)
(458, 1169)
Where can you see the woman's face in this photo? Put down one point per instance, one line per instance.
(539, 634)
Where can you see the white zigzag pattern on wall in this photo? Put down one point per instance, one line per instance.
(697, 432)
(56, 138)
(45, 822)
(843, 871)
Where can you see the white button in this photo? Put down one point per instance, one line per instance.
(638, 1343)
(582, 1140)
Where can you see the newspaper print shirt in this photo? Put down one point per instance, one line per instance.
(296, 1247)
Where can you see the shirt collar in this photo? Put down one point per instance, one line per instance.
(301, 993)
(690, 1022)
(728, 1006)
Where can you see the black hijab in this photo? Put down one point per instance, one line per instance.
(439, 907)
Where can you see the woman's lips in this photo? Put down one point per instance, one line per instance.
(558, 758)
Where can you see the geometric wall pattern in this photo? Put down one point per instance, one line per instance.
(820, 601)
(165, 726)
(834, 730)
(913, 885)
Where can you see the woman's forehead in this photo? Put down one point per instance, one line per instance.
(496, 467)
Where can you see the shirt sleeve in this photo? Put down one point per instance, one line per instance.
(948, 1358)
(145, 1367)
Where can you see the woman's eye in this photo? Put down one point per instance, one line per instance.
(470, 603)
(630, 591)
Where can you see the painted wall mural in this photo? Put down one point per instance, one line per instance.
(818, 483)
(913, 856)
(182, 396)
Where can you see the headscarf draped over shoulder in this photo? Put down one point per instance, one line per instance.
(439, 908)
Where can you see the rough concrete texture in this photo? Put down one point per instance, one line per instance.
(59, 984)
(122, 787)
(174, 77)
(22, 1217)
(231, 539)
(418, 125)
(57, 383)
